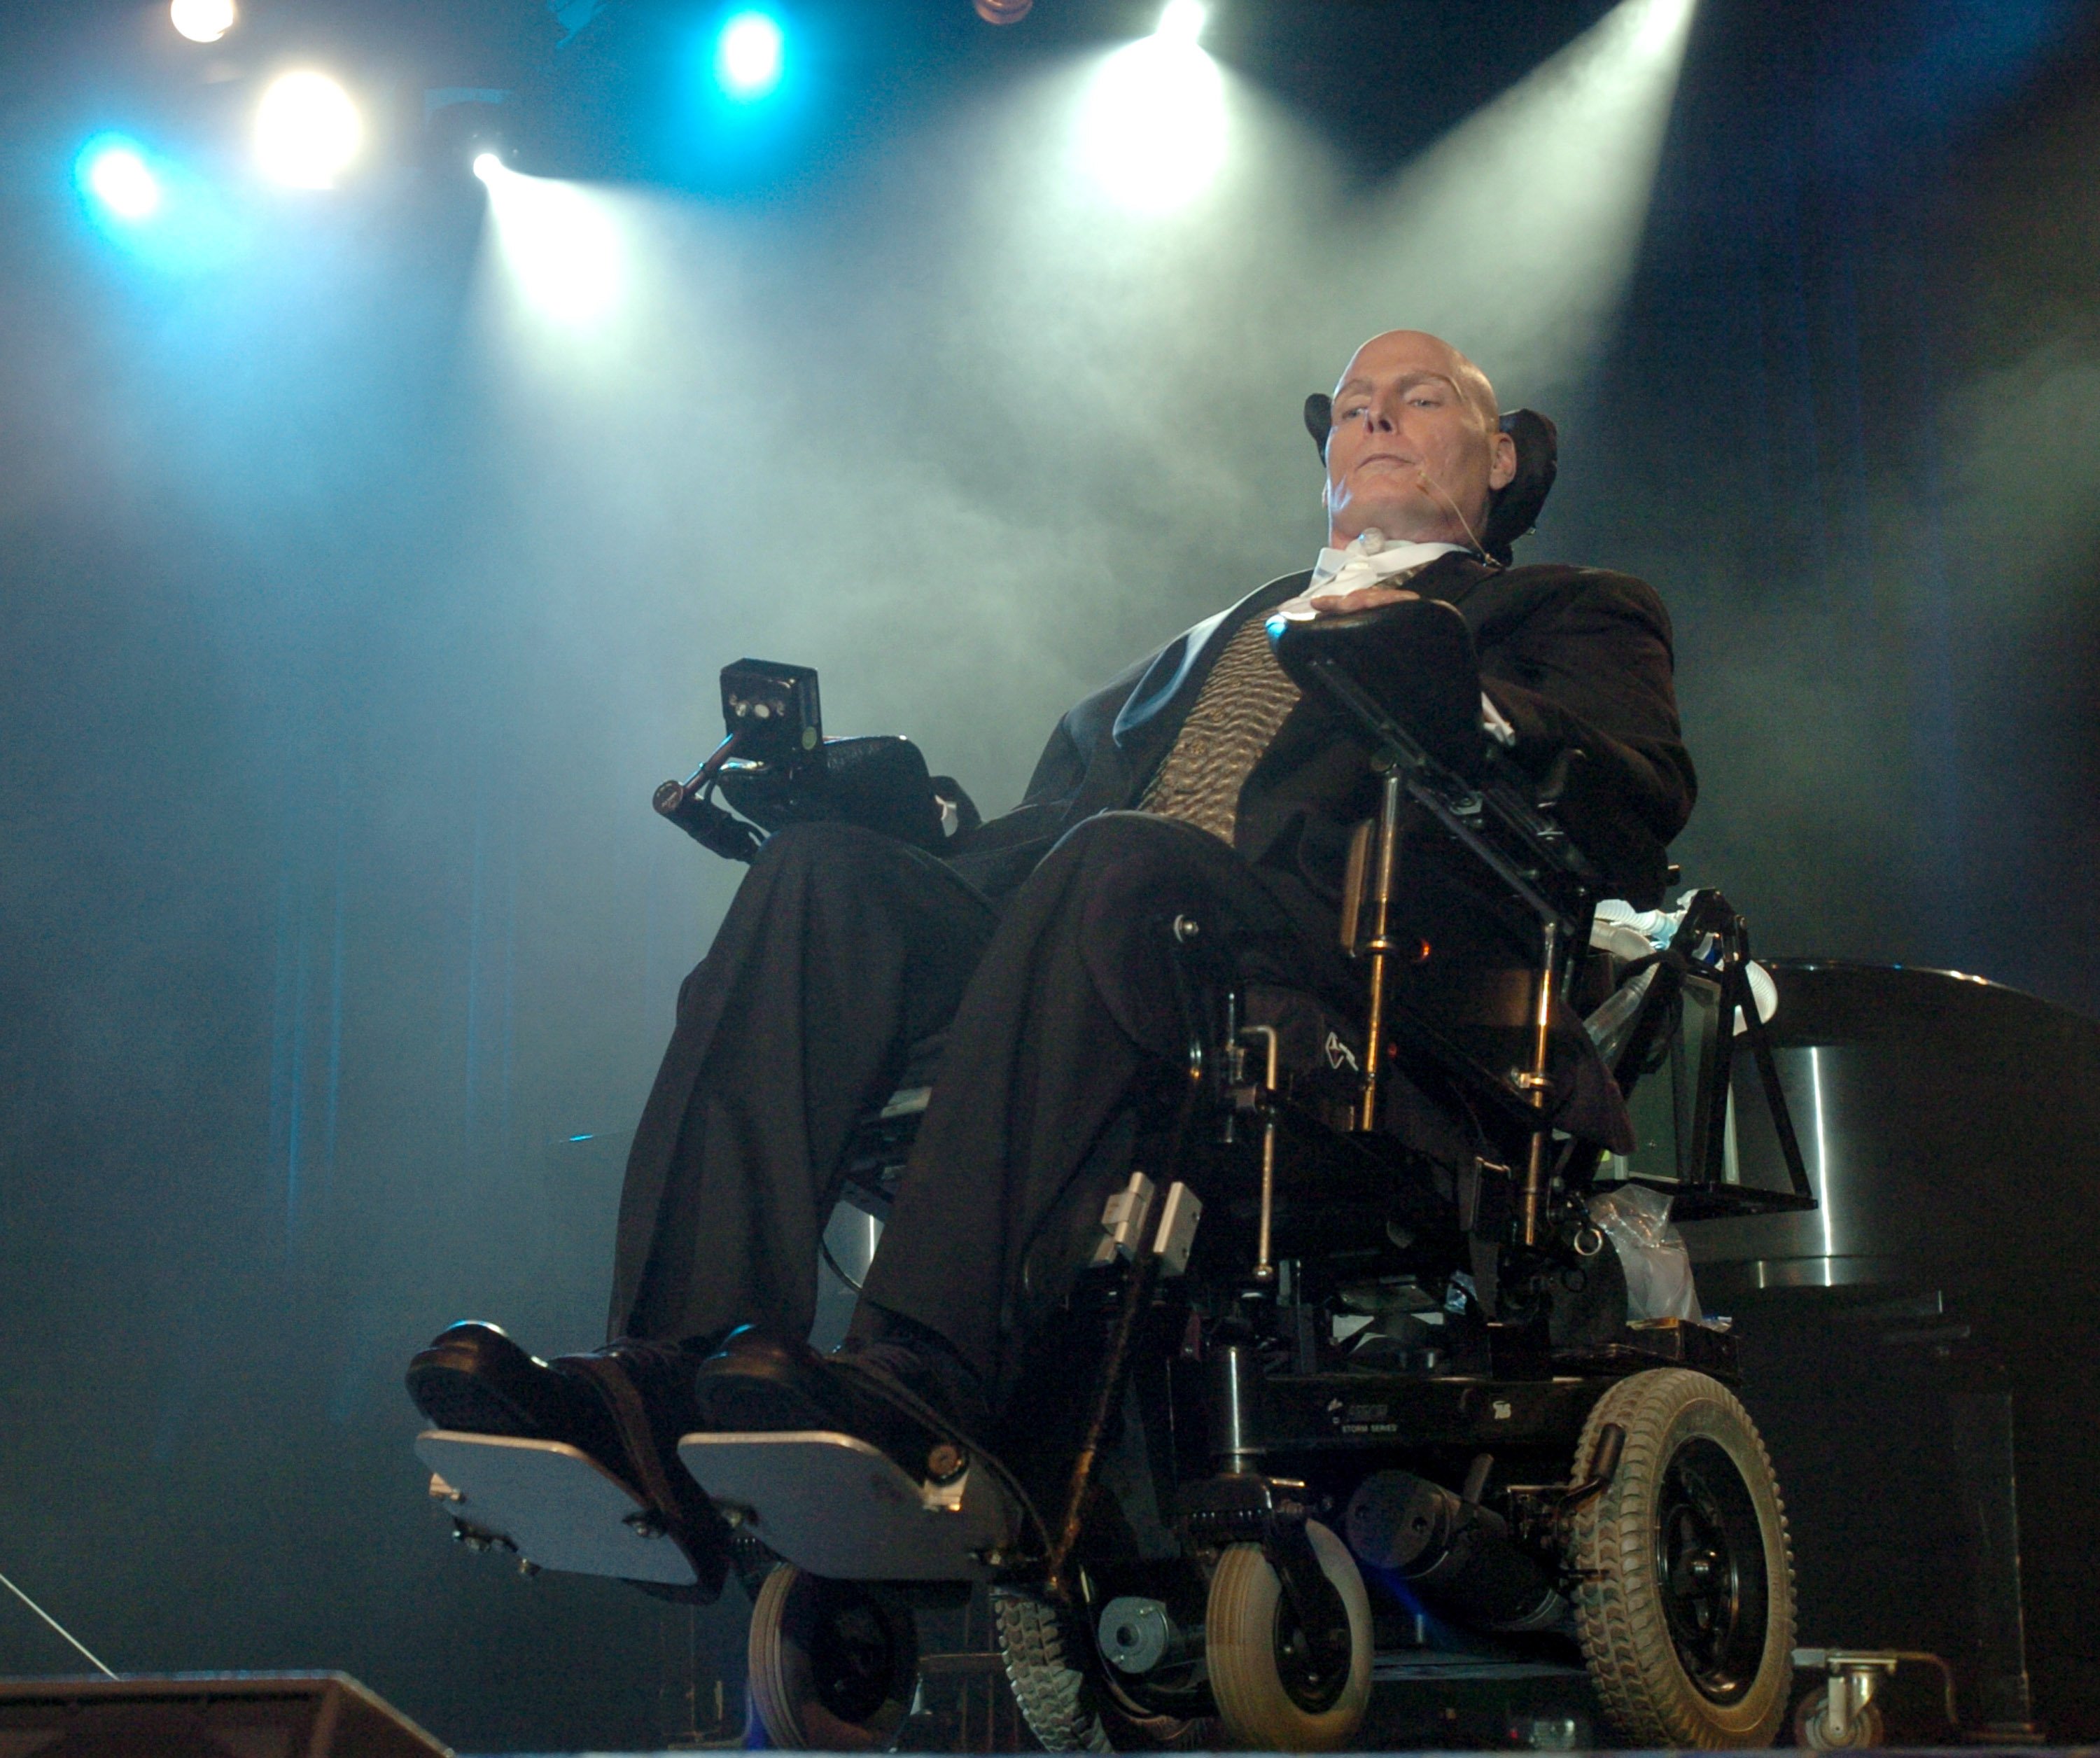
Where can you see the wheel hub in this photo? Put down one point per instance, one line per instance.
(1710, 1560)
(853, 1660)
(1313, 1669)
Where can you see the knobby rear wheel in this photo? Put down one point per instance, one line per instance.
(1067, 1705)
(1684, 1594)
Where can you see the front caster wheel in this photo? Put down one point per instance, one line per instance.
(832, 1666)
(1684, 1595)
(1812, 1725)
(1276, 1688)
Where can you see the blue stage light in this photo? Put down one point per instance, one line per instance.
(155, 209)
(113, 174)
(749, 51)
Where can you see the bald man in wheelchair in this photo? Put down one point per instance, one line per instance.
(1025, 956)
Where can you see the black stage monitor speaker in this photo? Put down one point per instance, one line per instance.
(205, 1714)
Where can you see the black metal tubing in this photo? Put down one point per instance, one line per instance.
(1136, 1296)
(1452, 802)
(1710, 1119)
(686, 805)
(1185, 947)
(1705, 1192)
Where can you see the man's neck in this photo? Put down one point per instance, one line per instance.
(1444, 531)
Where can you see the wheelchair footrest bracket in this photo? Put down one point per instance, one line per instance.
(838, 1506)
(558, 1506)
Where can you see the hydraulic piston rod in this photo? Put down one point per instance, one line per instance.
(1384, 882)
(1535, 1081)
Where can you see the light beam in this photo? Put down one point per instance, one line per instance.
(203, 20)
(1152, 130)
(113, 174)
(558, 241)
(1516, 234)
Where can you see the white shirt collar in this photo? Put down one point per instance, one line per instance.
(1367, 559)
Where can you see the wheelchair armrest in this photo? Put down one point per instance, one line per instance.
(1579, 796)
(1415, 660)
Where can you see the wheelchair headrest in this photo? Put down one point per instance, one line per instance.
(1515, 509)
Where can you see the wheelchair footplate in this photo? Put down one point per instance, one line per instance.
(557, 1507)
(839, 1507)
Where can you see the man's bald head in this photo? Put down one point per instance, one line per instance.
(1419, 346)
(1415, 450)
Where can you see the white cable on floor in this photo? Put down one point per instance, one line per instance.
(53, 1622)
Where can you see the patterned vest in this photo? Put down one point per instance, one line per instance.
(1242, 707)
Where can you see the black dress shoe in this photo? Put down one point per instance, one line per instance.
(625, 1406)
(473, 1379)
(766, 1385)
(645, 1393)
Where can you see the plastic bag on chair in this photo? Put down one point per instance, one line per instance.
(1651, 1251)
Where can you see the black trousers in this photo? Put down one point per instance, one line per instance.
(842, 949)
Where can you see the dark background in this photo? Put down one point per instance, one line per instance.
(348, 616)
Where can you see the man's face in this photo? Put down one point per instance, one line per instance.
(1414, 451)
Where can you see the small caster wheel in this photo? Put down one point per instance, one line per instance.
(833, 1667)
(1276, 1688)
(1812, 1730)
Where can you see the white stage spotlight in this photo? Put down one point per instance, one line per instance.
(308, 131)
(203, 20)
(559, 242)
(1152, 132)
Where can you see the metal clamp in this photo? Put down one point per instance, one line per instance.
(1122, 1221)
(1176, 1237)
(1126, 1215)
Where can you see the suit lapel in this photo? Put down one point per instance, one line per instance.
(1454, 577)
(1152, 714)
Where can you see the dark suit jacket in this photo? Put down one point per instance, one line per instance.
(1573, 657)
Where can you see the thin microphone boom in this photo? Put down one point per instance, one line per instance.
(1465, 524)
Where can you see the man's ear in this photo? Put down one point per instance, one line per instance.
(1501, 462)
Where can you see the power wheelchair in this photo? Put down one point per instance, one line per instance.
(1347, 1358)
